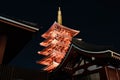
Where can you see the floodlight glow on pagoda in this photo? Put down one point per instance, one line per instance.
(57, 41)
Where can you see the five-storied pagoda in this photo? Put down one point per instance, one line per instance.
(68, 58)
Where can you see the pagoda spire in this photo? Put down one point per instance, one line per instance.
(59, 17)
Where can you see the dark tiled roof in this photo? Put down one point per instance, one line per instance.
(95, 50)
(19, 23)
(90, 47)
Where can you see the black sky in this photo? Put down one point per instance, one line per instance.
(98, 20)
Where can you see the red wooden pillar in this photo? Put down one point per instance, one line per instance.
(112, 73)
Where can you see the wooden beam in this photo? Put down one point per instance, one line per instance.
(3, 41)
(21, 25)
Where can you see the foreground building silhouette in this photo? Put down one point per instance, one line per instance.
(63, 57)
(14, 35)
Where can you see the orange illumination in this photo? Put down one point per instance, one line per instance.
(58, 38)
(51, 67)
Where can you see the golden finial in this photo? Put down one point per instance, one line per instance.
(59, 18)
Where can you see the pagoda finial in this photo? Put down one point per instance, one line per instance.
(59, 18)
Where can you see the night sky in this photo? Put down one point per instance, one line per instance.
(98, 20)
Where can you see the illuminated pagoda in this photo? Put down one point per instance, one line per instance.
(58, 39)
(69, 58)
(64, 57)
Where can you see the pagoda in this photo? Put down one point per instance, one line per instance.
(70, 58)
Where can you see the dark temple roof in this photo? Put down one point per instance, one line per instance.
(95, 50)
(98, 55)
(90, 47)
(19, 23)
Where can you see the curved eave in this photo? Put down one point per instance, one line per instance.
(18, 24)
(98, 54)
(116, 55)
(101, 55)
